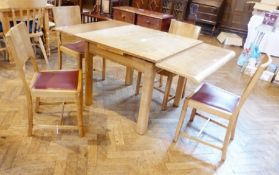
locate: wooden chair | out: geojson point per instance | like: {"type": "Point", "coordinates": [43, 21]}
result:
{"type": "Point", "coordinates": [220, 103]}
{"type": "Point", "coordinates": [46, 84]}
{"type": "Point", "coordinates": [67, 16]}
{"type": "Point", "coordinates": [178, 28]}
{"type": "Point", "coordinates": [31, 12]}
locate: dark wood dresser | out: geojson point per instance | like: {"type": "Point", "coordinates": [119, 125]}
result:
{"type": "Point", "coordinates": [146, 18]}
{"type": "Point", "coordinates": [208, 11]}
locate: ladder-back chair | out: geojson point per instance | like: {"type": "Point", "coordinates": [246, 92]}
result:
{"type": "Point", "coordinates": [220, 103]}
{"type": "Point", "coordinates": [31, 12]}
{"type": "Point", "coordinates": [54, 84]}
{"type": "Point", "coordinates": [177, 28]}
{"type": "Point", "coordinates": [67, 16]}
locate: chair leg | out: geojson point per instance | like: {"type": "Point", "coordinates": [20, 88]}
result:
{"type": "Point", "coordinates": [79, 63]}
{"type": "Point", "coordinates": [181, 120]}
{"type": "Point", "coordinates": [30, 115]}
{"type": "Point", "coordinates": [193, 114]}
{"type": "Point", "coordinates": [160, 81]}
{"type": "Point", "coordinates": [43, 49]}
{"type": "Point", "coordinates": [233, 127]}
{"type": "Point", "coordinates": [59, 59]}
{"type": "Point", "coordinates": [104, 69]}
{"type": "Point", "coordinates": [167, 93]}
{"type": "Point", "coordinates": [79, 99]}
{"type": "Point", "coordinates": [184, 89]}
{"type": "Point", "coordinates": [37, 105]}
{"type": "Point", "coordinates": [227, 140]}
{"type": "Point", "coordinates": [138, 83]}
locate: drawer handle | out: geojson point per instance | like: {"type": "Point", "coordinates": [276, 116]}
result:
{"type": "Point", "coordinates": [148, 22]}
{"type": "Point", "coordinates": [123, 16]}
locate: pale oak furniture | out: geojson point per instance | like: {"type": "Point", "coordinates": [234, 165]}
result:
{"type": "Point", "coordinates": [45, 84]}
{"type": "Point", "coordinates": [220, 103]}
{"type": "Point", "coordinates": [5, 16]}
{"type": "Point", "coordinates": [177, 28]}
{"type": "Point", "coordinates": [137, 47]}
{"type": "Point", "coordinates": [67, 16]}
{"type": "Point", "coordinates": [149, 49]}
{"type": "Point", "coordinates": [31, 13]}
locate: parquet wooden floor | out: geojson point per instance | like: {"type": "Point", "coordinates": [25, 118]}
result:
{"type": "Point", "coordinates": [111, 145]}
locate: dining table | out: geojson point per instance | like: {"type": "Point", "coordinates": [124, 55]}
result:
{"type": "Point", "coordinates": [5, 12]}
{"type": "Point", "coordinates": [146, 50]}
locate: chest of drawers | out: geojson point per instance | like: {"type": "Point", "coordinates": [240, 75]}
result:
{"type": "Point", "coordinates": [208, 11]}
{"type": "Point", "coordinates": [145, 18]}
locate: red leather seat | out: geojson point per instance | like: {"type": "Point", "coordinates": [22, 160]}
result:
{"type": "Point", "coordinates": [77, 46]}
{"type": "Point", "coordinates": [216, 97]}
{"type": "Point", "coordinates": [64, 80]}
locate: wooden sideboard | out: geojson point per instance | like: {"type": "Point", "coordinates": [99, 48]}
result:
{"type": "Point", "coordinates": [208, 12]}
{"type": "Point", "coordinates": [178, 8]}
{"type": "Point", "coordinates": [146, 18]}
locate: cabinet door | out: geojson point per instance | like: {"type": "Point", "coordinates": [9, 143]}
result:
{"type": "Point", "coordinates": [179, 9]}
{"type": "Point", "coordinates": [236, 15]}
{"type": "Point", "coordinates": [167, 6]}
{"type": "Point", "coordinates": [154, 5]}
{"type": "Point", "coordinates": [142, 4]}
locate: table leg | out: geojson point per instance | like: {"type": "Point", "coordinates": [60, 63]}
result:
{"type": "Point", "coordinates": [129, 76]}
{"type": "Point", "coordinates": [46, 32]}
{"type": "Point", "coordinates": [89, 75]}
{"type": "Point", "coordinates": [147, 90]}
{"type": "Point", "coordinates": [179, 90]}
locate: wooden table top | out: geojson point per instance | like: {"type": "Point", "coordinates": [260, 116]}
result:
{"type": "Point", "coordinates": [140, 42]}
{"type": "Point", "coordinates": [198, 62]}
{"type": "Point", "coordinates": [82, 28]}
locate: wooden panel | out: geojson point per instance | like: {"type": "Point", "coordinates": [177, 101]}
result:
{"type": "Point", "coordinates": [204, 60]}
{"type": "Point", "coordinates": [124, 16]}
{"type": "Point", "coordinates": [149, 22]}
{"type": "Point", "coordinates": [236, 15]}
{"type": "Point", "coordinates": [142, 4]}
{"type": "Point", "coordinates": [141, 42]}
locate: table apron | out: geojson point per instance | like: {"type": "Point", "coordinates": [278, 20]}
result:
{"type": "Point", "coordinates": [125, 60]}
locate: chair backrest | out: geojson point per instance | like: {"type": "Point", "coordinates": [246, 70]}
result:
{"type": "Point", "coordinates": [184, 29]}
{"type": "Point", "coordinates": [265, 61]}
{"type": "Point", "coordinates": [29, 11]}
{"type": "Point", "coordinates": [66, 15]}
{"type": "Point", "coordinates": [19, 43]}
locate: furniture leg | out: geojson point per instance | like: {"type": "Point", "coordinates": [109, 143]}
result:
{"type": "Point", "coordinates": [167, 93]}
{"type": "Point", "coordinates": [193, 114]}
{"type": "Point", "coordinates": [129, 76]}
{"type": "Point", "coordinates": [30, 115]}
{"type": "Point", "coordinates": [138, 83]}
{"type": "Point", "coordinates": [104, 69]}
{"type": "Point", "coordinates": [43, 50]}
{"type": "Point", "coordinates": [59, 53]}
{"type": "Point", "coordinates": [46, 32]}
{"type": "Point", "coordinates": [234, 126]}
{"type": "Point", "coordinates": [80, 63]}
{"type": "Point", "coordinates": [160, 81]}
{"type": "Point", "coordinates": [89, 75]}
{"type": "Point", "coordinates": [179, 90]}
{"type": "Point", "coordinates": [80, 113]}
{"type": "Point", "coordinates": [226, 140]}
{"type": "Point", "coordinates": [181, 120]}
{"type": "Point", "coordinates": [37, 104]}
{"type": "Point", "coordinates": [145, 101]}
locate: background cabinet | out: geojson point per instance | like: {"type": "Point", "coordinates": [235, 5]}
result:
{"type": "Point", "coordinates": [236, 16]}
{"type": "Point", "coordinates": [177, 8]}
{"type": "Point", "coordinates": [153, 5]}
